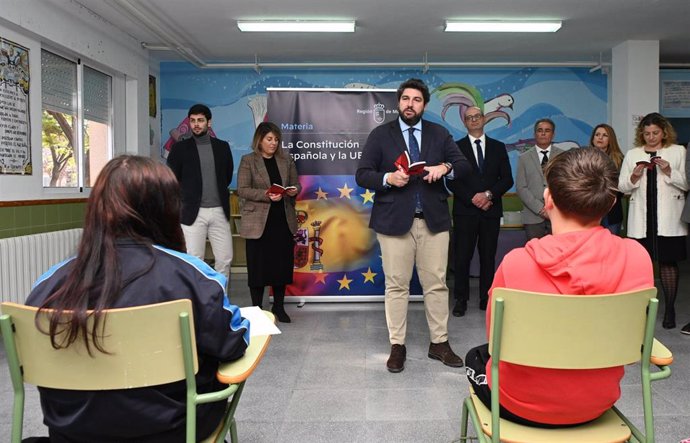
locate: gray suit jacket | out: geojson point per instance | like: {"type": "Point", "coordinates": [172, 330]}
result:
{"type": "Point", "coordinates": [252, 183]}
{"type": "Point", "coordinates": [685, 216]}
{"type": "Point", "coordinates": [530, 184]}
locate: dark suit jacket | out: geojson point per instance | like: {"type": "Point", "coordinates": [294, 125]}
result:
{"type": "Point", "coordinates": [393, 210]}
{"type": "Point", "coordinates": [497, 177]}
{"type": "Point", "coordinates": [252, 183]}
{"type": "Point", "coordinates": [184, 162]}
{"type": "Point", "coordinates": [615, 215]}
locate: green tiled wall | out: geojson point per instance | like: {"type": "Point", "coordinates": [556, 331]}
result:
{"type": "Point", "coordinates": [511, 202]}
{"type": "Point", "coordinates": [24, 220]}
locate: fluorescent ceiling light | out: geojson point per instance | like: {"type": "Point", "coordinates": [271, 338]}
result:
{"type": "Point", "coordinates": [296, 26]}
{"type": "Point", "coordinates": [502, 26]}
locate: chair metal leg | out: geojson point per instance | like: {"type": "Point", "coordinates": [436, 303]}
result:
{"type": "Point", "coordinates": [463, 422]}
{"type": "Point", "coordinates": [463, 425]}
{"type": "Point", "coordinates": [647, 404]}
{"type": "Point", "coordinates": [481, 437]}
{"type": "Point", "coordinates": [7, 329]}
{"type": "Point", "coordinates": [636, 436]}
{"type": "Point", "coordinates": [190, 427]}
{"type": "Point", "coordinates": [18, 416]}
{"type": "Point", "coordinates": [233, 431]}
{"type": "Point", "coordinates": [229, 423]}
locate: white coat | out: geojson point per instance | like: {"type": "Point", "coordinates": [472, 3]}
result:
{"type": "Point", "coordinates": [670, 193]}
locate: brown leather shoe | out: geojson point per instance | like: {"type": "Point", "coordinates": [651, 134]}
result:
{"type": "Point", "coordinates": [396, 362]}
{"type": "Point", "coordinates": [443, 352]}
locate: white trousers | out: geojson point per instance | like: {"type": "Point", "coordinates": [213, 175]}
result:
{"type": "Point", "coordinates": [211, 223]}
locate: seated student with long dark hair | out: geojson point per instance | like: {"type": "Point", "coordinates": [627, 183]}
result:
{"type": "Point", "coordinates": [580, 258]}
{"type": "Point", "coordinates": [130, 254]}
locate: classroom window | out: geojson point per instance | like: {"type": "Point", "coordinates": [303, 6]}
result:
{"type": "Point", "coordinates": [76, 122]}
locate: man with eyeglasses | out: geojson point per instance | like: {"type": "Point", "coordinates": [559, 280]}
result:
{"type": "Point", "coordinates": [477, 208]}
{"type": "Point", "coordinates": [530, 181]}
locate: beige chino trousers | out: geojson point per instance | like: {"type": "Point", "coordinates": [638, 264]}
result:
{"type": "Point", "coordinates": [429, 251]}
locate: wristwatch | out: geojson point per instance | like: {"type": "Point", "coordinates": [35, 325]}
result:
{"type": "Point", "coordinates": [449, 166]}
{"type": "Point", "coordinates": [489, 195]}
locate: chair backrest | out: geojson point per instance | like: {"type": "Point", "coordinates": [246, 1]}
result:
{"type": "Point", "coordinates": [144, 346]}
{"type": "Point", "coordinates": [571, 331]}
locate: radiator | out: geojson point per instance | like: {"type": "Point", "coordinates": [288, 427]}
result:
{"type": "Point", "coordinates": [23, 259]}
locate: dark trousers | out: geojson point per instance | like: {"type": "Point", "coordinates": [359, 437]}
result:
{"type": "Point", "coordinates": [475, 364]}
{"type": "Point", "coordinates": [472, 231]}
{"type": "Point", "coordinates": [538, 230]}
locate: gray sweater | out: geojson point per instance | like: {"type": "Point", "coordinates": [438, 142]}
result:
{"type": "Point", "coordinates": [209, 193]}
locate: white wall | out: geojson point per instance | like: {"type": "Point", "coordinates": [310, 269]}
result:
{"type": "Point", "coordinates": [634, 90]}
{"type": "Point", "coordinates": [66, 26]}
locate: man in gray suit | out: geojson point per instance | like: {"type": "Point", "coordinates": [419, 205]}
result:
{"type": "Point", "coordinates": [530, 182]}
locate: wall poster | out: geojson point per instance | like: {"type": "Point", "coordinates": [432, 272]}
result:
{"type": "Point", "coordinates": [326, 115]}
{"type": "Point", "coordinates": [15, 128]}
{"type": "Point", "coordinates": [675, 94]}
{"type": "Point", "coordinates": [153, 100]}
{"type": "Point", "coordinates": [337, 256]}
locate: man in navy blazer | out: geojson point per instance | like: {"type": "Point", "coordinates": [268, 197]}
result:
{"type": "Point", "coordinates": [477, 208]}
{"type": "Point", "coordinates": [411, 219]}
{"type": "Point", "coordinates": [203, 166]}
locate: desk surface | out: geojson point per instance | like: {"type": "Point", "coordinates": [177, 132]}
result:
{"type": "Point", "coordinates": [661, 355]}
{"type": "Point", "coordinates": [239, 370]}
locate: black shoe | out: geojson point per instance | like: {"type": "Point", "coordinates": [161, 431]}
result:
{"type": "Point", "coordinates": [460, 308]}
{"type": "Point", "coordinates": [443, 352]}
{"type": "Point", "coordinates": [482, 303]}
{"type": "Point", "coordinates": [669, 324]}
{"type": "Point", "coordinates": [280, 314]}
{"type": "Point", "coordinates": [686, 329]}
{"type": "Point", "coordinates": [396, 361]}
{"type": "Point", "coordinates": [669, 321]}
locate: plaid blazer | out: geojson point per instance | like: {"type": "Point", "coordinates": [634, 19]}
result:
{"type": "Point", "coordinates": [252, 183]}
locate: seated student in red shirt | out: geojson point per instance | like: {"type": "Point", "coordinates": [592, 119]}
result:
{"type": "Point", "coordinates": [580, 258]}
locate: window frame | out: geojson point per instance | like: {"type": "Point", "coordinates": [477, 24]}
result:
{"type": "Point", "coordinates": [79, 149]}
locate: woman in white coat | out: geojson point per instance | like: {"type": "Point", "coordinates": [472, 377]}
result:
{"type": "Point", "coordinates": [653, 174]}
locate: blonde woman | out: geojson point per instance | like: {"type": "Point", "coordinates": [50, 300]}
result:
{"type": "Point", "coordinates": [653, 174]}
{"type": "Point", "coordinates": [269, 220]}
{"type": "Point", "coordinates": [604, 138]}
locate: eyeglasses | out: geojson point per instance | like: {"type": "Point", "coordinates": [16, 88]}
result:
{"type": "Point", "coordinates": [473, 118]}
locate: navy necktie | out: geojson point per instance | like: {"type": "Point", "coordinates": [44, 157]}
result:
{"type": "Point", "coordinates": [480, 155]}
{"type": "Point", "coordinates": [414, 156]}
{"type": "Point", "coordinates": [414, 146]}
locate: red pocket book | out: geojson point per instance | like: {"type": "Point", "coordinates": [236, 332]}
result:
{"type": "Point", "coordinates": [648, 164]}
{"type": "Point", "coordinates": [277, 189]}
{"type": "Point", "coordinates": [403, 161]}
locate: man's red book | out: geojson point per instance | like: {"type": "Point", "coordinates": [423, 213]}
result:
{"type": "Point", "coordinates": [403, 161]}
